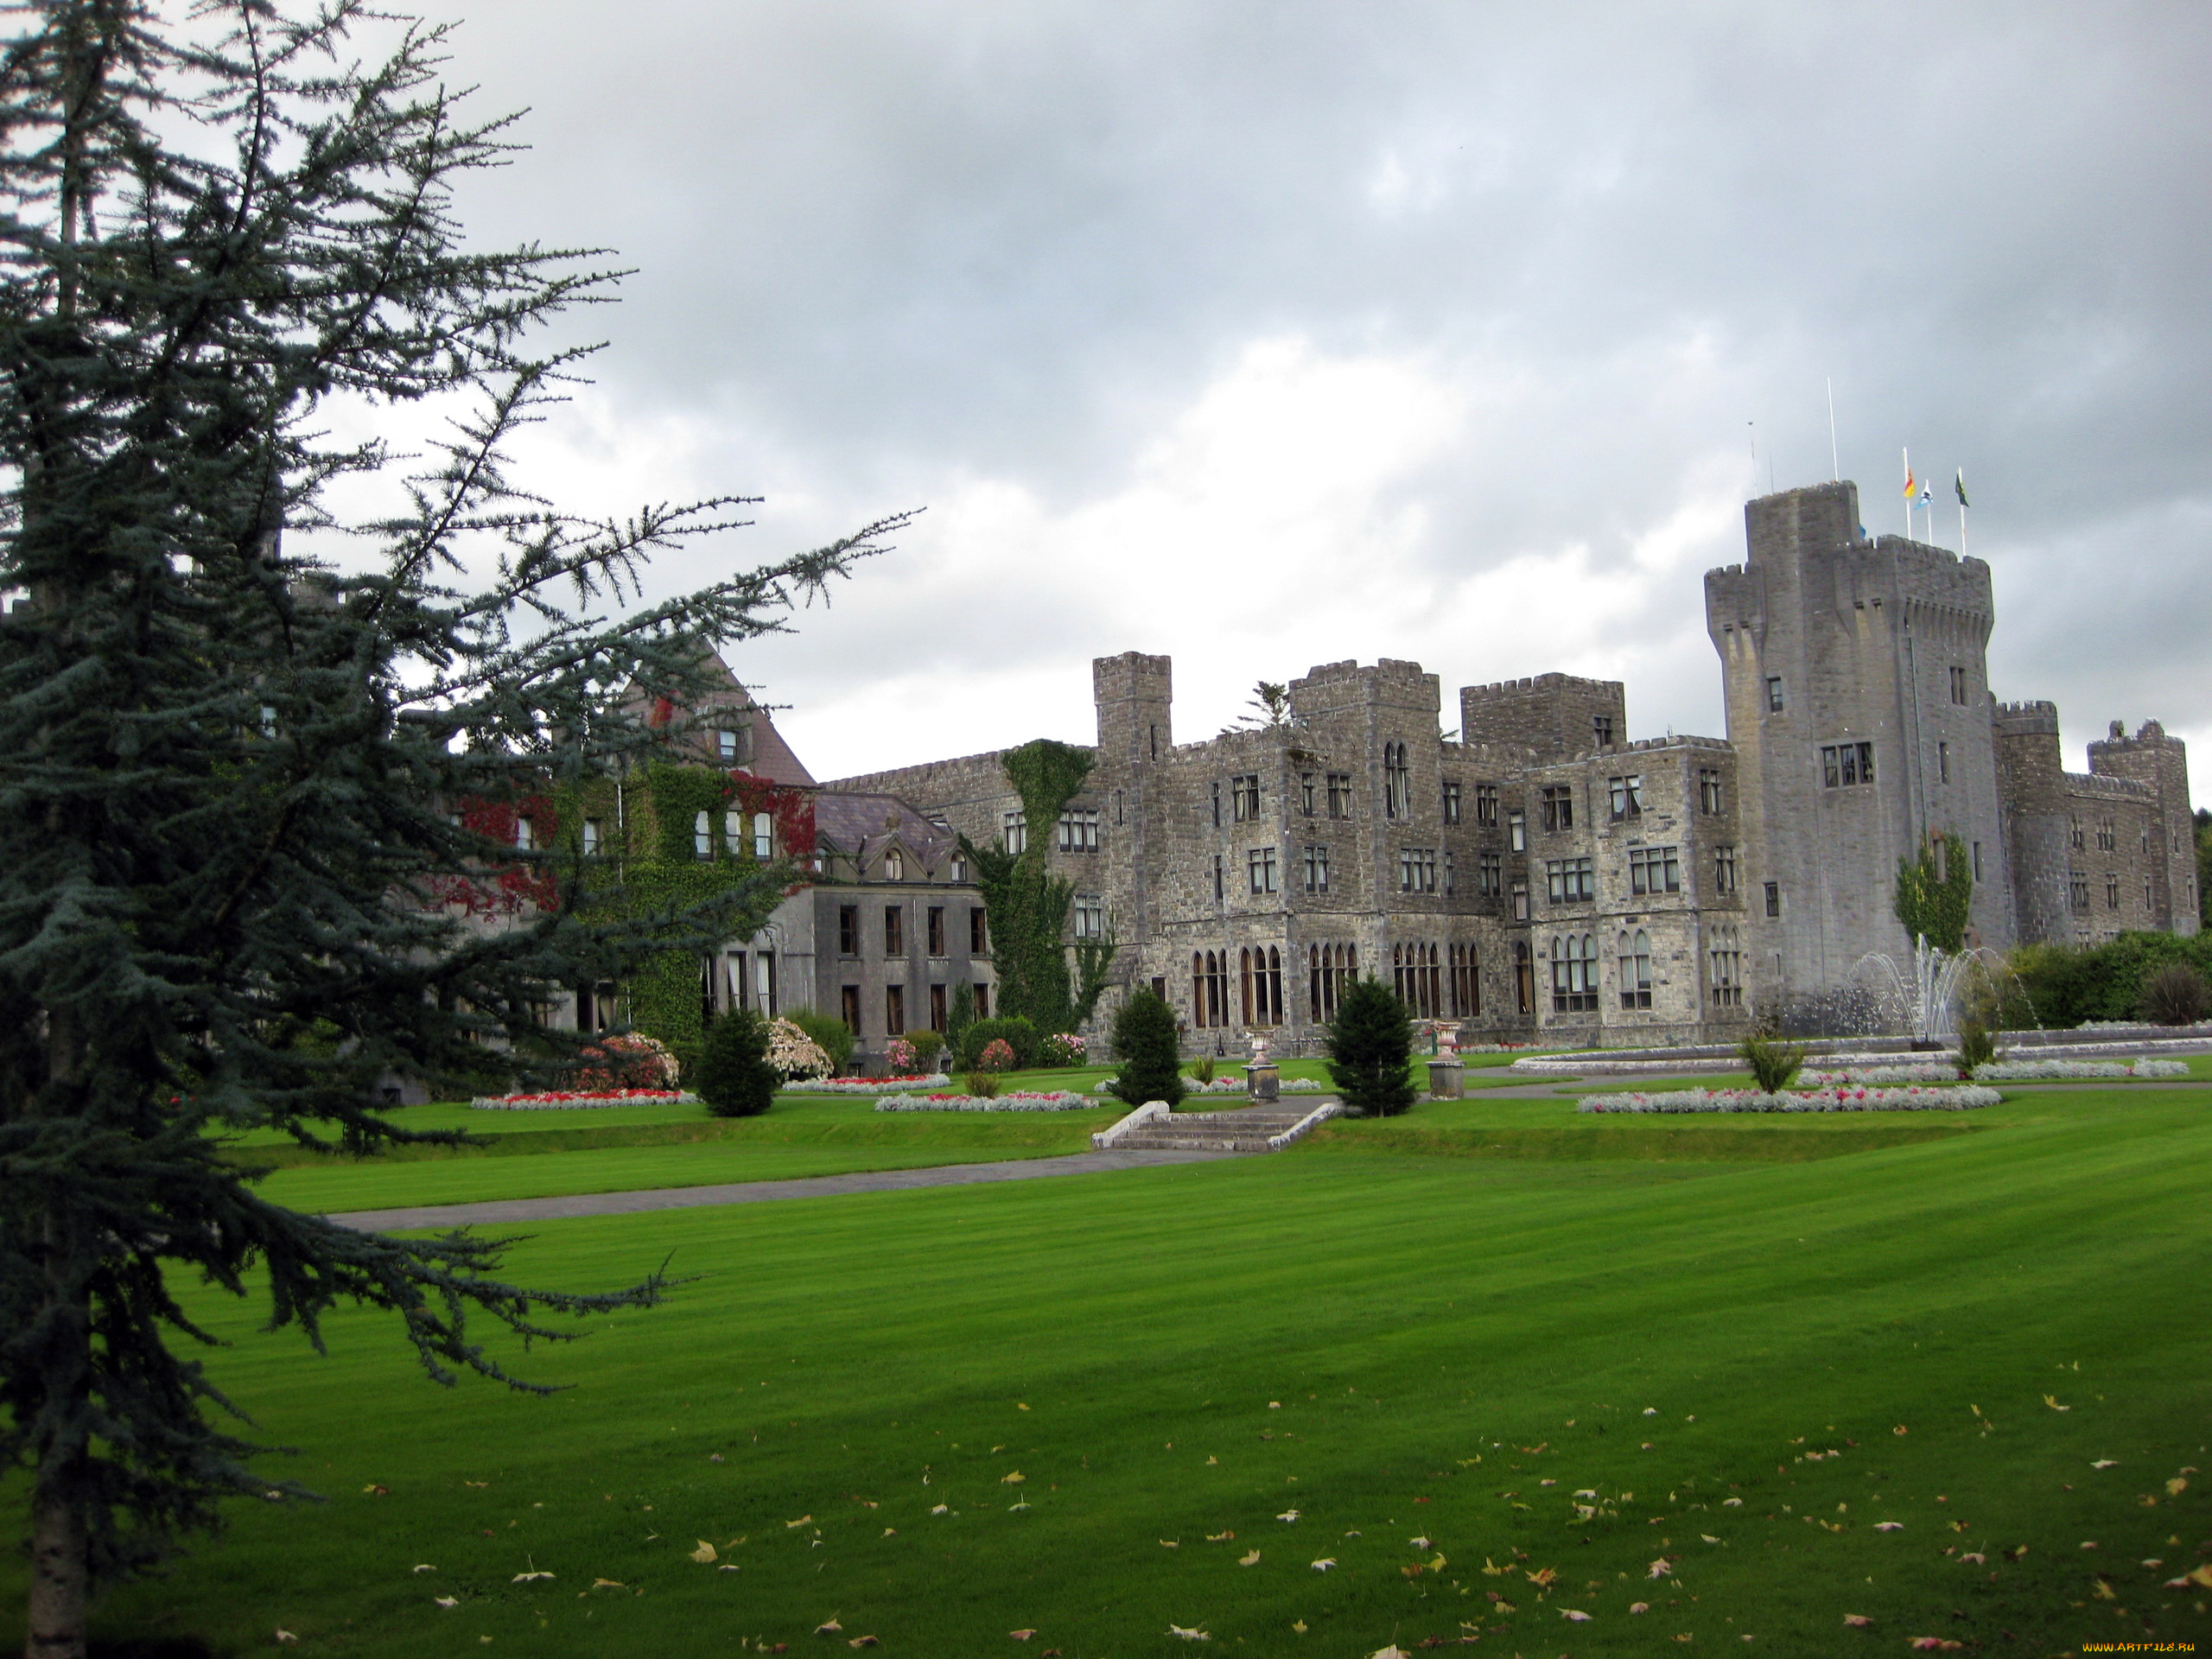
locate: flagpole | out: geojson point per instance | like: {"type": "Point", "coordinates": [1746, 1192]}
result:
{"type": "Point", "coordinates": [1835, 463]}
{"type": "Point", "coordinates": [1960, 485]}
{"type": "Point", "coordinates": [1907, 453]}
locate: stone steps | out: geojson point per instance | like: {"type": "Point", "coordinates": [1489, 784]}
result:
{"type": "Point", "coordinates": [1246, 1129]}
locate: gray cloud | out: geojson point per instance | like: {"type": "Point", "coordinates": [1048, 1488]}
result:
{"type": "Point", "coordinates": [956, 253]}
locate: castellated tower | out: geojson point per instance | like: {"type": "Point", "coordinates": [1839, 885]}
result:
{"type": "Point", "coordinates": [2168, 840]}
{"type": "Point", "coordinates": [1858, 698]}
{"type": "Point", "coordinates": [2031, 773]}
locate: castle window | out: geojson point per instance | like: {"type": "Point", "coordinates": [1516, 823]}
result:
{"type": "Point", "coordinates": [894, 929]}
{"type": "Point", "coordinates": [2112, 891]}
{"type": "Point", "coordinates": [959, 867]}
{"type": "Point", "coordinates": [848, 1004]}
{"type": "Point", "coordinates": [764, 837]}
{"type": "Point", "coordinates": [1090, 916]}
{"type": "Point", "coordinates": [1724, 869]}
{"type": "Point", "coordinates": [849, 930]}
{"type": "Point", "coordinates": [1708, 789]}
{"type": "Point", "coordinates": [1727, 953]}
{"type": "Point", "coordinates": [1155, 742]}
{"type": "Point", "coordinates": [1466, 983]}
{"type": "Point", "coordinates": [1305, 793]}
{"type": "Point", "coordinates": [1217, 803]}
{"type": "Point", "coordinates": [525, 834]}
{"type": "Point", "coordinates": [1014, 831]}
{"type": "Point", "coordinates": [1418, 972]}
{"type": "Point", "coordinates": [982, 1000]}
{"type": "Point", "coordinates": [1448, 885]}
{"type": "Point", "coordinates": [1209, 988]}
{"type": "Point", "coordinates": [1452, 813]}
{"type": "Point", "coordinates": [1397, 782]}
{"type": "Point", "coordinates": [1977, 861]}
{"type": "Point", "coordinates": [979, 935]}
{"type": "Point", "coordinates": [2077, 889]}
{"type": "Point", "coordinates": [1245, 790]}
{"type": "Point", "coordinates": [1219, 893]}
{"type": "Point", "coordinates": [1774, 897]}
{"type": "Point", "coordinates": [2146, 893]}
{"type": "Point", "coordinates": [592, 836]}
{"type": "Point", "coordinates": [1636, 969]}
{"type": "Point", "coordinates": [702, 835]}
{"type": "Point", "coordinates": [1117, 806]}
{"type": "Point", "coordinates": [1601, 729]}
{"type": "Point", "coordinates": [1490, 875]}
{"type": "Point", "coordinates": [1574, 974]}
{"type": "Point", "coordinates": [1259, 866]}
{"type": "Point", "coordinates": [1943, 762]}
{"type": "Point", "coordinates": [1958, 685]}
{"type": "Point", "coordinates": [2108, 837]}
{"type": "Point", "coordinates": [1774, 693]}
{"type": "Point", "coordinates": [1486, 803]}
{"type": "Point", "coordinates": [894, 1010]}
{"type": "Point", "coordinates": [1079, 830]}
{"type": "Point", "coordinates": [894, 865]}
{"type": "Point", "coordinates": [1653, 869]}
{"type": "Point", "coordinates": [1520, 904]}
{"type": "Point", "coordinates": [1517, 831]}
{"type": "Point", "coordinates": [1570, 880]}
{"type": "Point", "coordinates": [1627, 797]}
{"type": "Point", "coordinates": [934, 932]}
{"type": "Point", "coordinates": [1259, 971]}
{"type": "Point", "coordinates": [1559, 806]}
{"type": "Point", "coordinates": [1331, 970]}
{"type": "Point", "coordinates": [1317, 869]}
{"type": "Point", "coordinates": [2076, 836]}
{"type": "Point", "coordinates": [1417, 869]}
{"type": "Point", "coordinates": [1844, 765]}
{"type": "Point", "coordinates": [1340, 794]}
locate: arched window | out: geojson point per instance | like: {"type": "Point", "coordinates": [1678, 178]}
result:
{"type": "Point", "coordinates": [894, 865]}
{"type": "Point", "coordinates": [1273, 984]}
{"type": "Point", "coordinates": [1245, 984]}
{"type": "Point", "coordinates": [1198, 988]}
{"type": "Point", "coordinates": [1635, 964]}
{"type": "Point", "coordinates": [702, 835]}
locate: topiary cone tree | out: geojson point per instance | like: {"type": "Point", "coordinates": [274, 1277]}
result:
{"type": "Point", "coordinates": [733, 1078]}
{"type": "Point", "coordinates": [1370, 1047]}
{"type": "Point", "coordinates": [1152, 1063]}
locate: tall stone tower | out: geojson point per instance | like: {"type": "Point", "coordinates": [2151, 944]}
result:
{"type": "Point", "coordinates": [1134, 696]}
{"type": "Point", "coordinates": [2032, 777]}
{"type": "Point", "coordinates": [2170, 851]}
{"type": "Point", "coordinates": [1858, 696]}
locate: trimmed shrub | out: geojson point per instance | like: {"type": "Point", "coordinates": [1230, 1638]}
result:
{"type": "Point", "coordinates": [830, 1034]}
{"type": "Point", "coordinates": [997, 1055]}
{"type": "Point", "coordinates": [2173, 995]}
{"type": "Point", "coordinates": [984, 1085]}
{"type": "Point", "coordinates": [1144, 1038]}
{"type": "Point", "coordinates": [733, 1078]}
{"type": "Point", "coordinates": [632, 1060]}
{"type": "Point", "coordinates": [1977, 1047]}
{"type": "Point", "coordinates": [927, 1045]}
{"type": "Point", "coordinates": [1015, 1032]}
{"type": "Point", "coordinates": [1773, 1063]}
{"type": "Point", "coordinates": [794, 1054]}
{"type": "Point", "coordinates": [2070, 985]}
{"type": "Point", "coordinates": [1062, 1048]}
{"type": "Point", "coordinates": [1370, 1048]}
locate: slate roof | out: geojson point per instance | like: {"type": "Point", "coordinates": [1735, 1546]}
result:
{"type": "Point", "coordinates": [863, 826]}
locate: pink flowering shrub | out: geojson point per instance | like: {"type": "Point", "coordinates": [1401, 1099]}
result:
{"type": "Point", "coordinates": [997, 1055]}
{"type": "Point", "coordinates": [1063, 1048]}
{"type": "Point", "coordinates": [898, 1054]}
{"type": "Point", "coordinates": [633, 1060]}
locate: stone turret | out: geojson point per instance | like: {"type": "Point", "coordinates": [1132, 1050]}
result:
{"type": "Point", "coordinates": [1555, 714]}
{"type": "Point", "coordinates": [2031, 781]}
{"type": "Point", "coordinates": [2161, 762]}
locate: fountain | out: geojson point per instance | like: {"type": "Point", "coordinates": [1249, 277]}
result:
{"type": "Point", "coordinates": [1929, 999]}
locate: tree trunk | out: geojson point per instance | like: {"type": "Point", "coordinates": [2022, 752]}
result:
{"type": "Point", "coordinates": [56, 1611]}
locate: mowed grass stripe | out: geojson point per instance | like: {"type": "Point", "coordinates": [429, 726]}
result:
{"type": "Point", "coordinates": [1469, 1303]}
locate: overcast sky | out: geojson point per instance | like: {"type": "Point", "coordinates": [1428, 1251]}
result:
{"type": "Point", "coordinates": [1272, 335]}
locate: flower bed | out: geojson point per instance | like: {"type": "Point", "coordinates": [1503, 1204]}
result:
{"type": "Point", "coordinates": [569, 1100]}
{"type": "Point", "coordinates": [1958, 1099]}
{"type": "Point", "coordinates": [1059, 1101]}
{"type": "Point", "coordinates": [862, 1085]}
{"type": "Point", "coordinates": [1995, 1072]}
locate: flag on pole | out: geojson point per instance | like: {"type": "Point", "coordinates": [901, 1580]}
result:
{"type": "Point", "coordinates": [1927, 496]}
{"type": "Point", "coordinates": [1959, 484]}
{"type": "Point", "coordinates": [1911, 484]}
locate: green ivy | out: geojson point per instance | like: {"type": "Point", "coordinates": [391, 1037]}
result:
{"type": "Point", "coordinates": [1936, 907]}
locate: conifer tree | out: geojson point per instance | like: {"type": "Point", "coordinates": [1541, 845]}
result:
{"type": "Point", "coordinates": [1370, 1047]}
{"type": "Point", "coordinates": [1145, 1043]}
{"type": "Point", "coordinates": [733, 1078]}
{"type": "Point", "coordinates": [240, 785]}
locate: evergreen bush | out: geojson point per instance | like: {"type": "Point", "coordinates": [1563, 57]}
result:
{"type": "Point", "coordinates": [1772, 1062]}
{"type": "Point", "coordinates": [733, 1078]}
{"type": "Point", "coordinates": [830, 1034]}
{"type": "Point", "coordinates": [1151, 1062]}
{"type": "Point", "coordinates": [1977, 1047]}
{"type": "Point", "coordinates": [1370, 1049]}
{"type": "Point", "coordinates": [959, 1014]}
{"type": "Point", "coordinates": [927, 1045]}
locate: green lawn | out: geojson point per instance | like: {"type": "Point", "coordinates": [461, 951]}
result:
{"type": "Point", "coordinates": [1425, 1358]}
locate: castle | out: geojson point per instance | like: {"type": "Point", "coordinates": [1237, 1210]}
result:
{"type": "Point", "coordinates": [1543, 875]}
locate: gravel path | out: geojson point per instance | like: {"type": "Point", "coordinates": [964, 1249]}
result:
{"type": "Point", "coordinates": [503, 1212]}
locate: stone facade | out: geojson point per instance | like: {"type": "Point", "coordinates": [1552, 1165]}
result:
{"type": "Point", "coordinates": [1542, 875]}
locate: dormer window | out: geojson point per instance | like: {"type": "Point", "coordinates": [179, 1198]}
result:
{"type": "Point", "coordinates": [894, 865]}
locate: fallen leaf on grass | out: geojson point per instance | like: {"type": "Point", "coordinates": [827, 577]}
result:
{"type": "Point", "coordinates": [1574, 1615]}
{"type": "Point", "coordinates": [828, 1626]}
{"type": "Point", "coordinates": [528, 1578]}
{"type": "Point", "coordinates": [1287, 1514]}
{"type": "Point", "coordinates": [941, 1508]}
{"type": "Point", "coordinates": [374, 1490]}
{"type": "Point", "coordinates": [1935, 1644]}
{"type": "Point", "coordinates": [1013, 1479]}
{"type": "Point", "coordinates": [1542, 1575]}
{"type": "Point", "coordinates": [1213, 1459]}
{"type": "Point", "coordinates": [1661, 1569]}
{"type": "Point", "coordinates": [1013, 1508]}
{"type": "Point", "coordinates": [2051, 1400]}
{"type": "Point", "coordinates": [447, 1601]}
{"type": "Point", "coordinates": [1975, 1557]}
{"type": "Point", "coordinates": [705, 1553]}
{"type": "Point", "coordinates": [1219, 1537]}
{"type": "Point", "coordinates": [2176, 1487]}
{"type": "Point", "coordinates": [424, 1566]}
{"type": "Point", "coordinates": [1252, 1558]}
{"type": "Point", "coordinates": [1708, 1538]}
{"type": "Point", "coordinates": [1188, 1636]}
{"type": "Point", "coordinates": [1732, 1502]}
{"type": "Point", "coordinates": [1684, 1636]}
{"type": "Point", "coordinates": [1421, 1543]}
{"type": "Point", "coordinates": [1857, 1621]}
{"type": "Point", "coordinates": [1021, 1635]}
{"type": "Point", "coordinates": [1298, 1624]}
{"type": "Point", "coordinates": [1393, 1651]}
{"type": "Point", "coordinates": [286, 1635]}
{"type": "Point", "coordinates": [801, 1521]}
{"type": "Point", "coordinates": [1639, 1606]}
{"type": "Point", "coordinates": [607, 1584]}
{"type": "Point", "coordinates": [1324, 1563]}
{"type": "Point", "coordinates": [2106, 1463]}
{"type": "Point", "coordinates": [863, 1642]}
